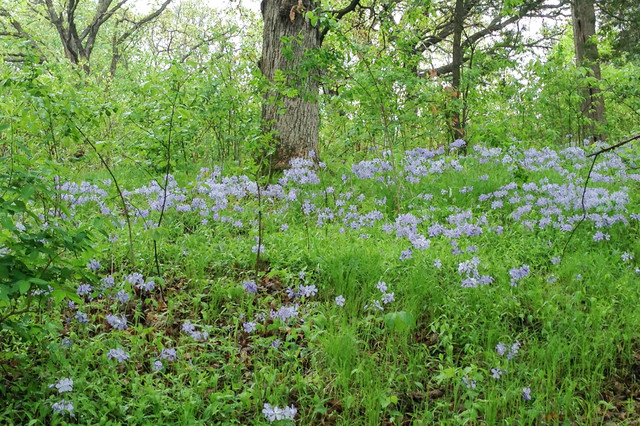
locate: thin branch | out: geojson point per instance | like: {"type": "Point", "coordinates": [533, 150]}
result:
{"type": "Point", "coordinates": [584, 189]}
{"type": "Point", "coordinates": [612, 147]}
{"type": "Point", "coordinates": [338, 14]}
{"type": "Point", "coordinates": [100, 17]}
{"type": "Point", "coordinates": [584, 209]}
{"type": "Point", "coordinates": [166, 179]}
{"type": "Point", "coordinates": [124, 202]}
{"type": "Point", "coordinates": [143, 21]}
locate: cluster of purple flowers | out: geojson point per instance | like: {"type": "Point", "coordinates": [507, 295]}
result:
{"type": "Point", "coordinates": [190, 328]}
{"type": "Point", "coordinates": [169, 354]}
{"type": "Point", "coordinates": [122, 296]}
{"type": "Point", "coordinates": [62, 406]}
{"type": "Point", "coordinates": [84, 289]}
{"type": "Point", "coordinates": [285, 312]}
{"type": "Point", "coordinates": [118, 354]}
{"type": "Point", "coordinates": [81, 317]}
{"type": "Point", "coordinates": [250, 286]}
{"type": "Point", "coordinates": [513, 351]}
{"type": "Point", "coordinates": [107, 282]}
{"type": "Point", "coordinates": [518, 274]}
{"type": "Point", "coordinates": [472, 278]}
{"type": "Point", "coordinates": [137, 280]}
{"type": "Point", "coordinates": [386, 298]}
{"type": "Point", "coordinates": [469, 383]}
{"type": "Point", "coordinates": [303, 291]}
{"type": "Point", "coordinates": [301, 172]}
{"type": "Point", "coordinates": [63, 385]}
{"type": "Point", "coordinates": [117, 322]}
{"type": "Point", "coordinates": [93, 265]}
{"type": "Point", "coordinates": [276, 413]}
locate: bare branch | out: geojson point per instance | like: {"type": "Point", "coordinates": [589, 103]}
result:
{"type": "Point", "coordinates": [339, 14]}
{"type": "Point", "coordinates": [101, 16]}
{"type": "Point", "coordinates": [144, 21]}
{"type": "Point", "coordinates": [612, 147]}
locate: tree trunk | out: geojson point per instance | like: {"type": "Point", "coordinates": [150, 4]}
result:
{"type": "Point", "coordinates": [584, 29]}
{"type": "Point", "coordinates": [290, 109]}
{"type": "Point", "coordinates": [458, 27]}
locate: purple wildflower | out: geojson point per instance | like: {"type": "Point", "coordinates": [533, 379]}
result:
{"type": "Point", "coordinates": [470, 384]}
{"type": "Point", "coordinates": [62, 406]}
{"type": "Point", "coordinates": [84, 289]}
{"type": "Point", "coordinates": [250, 286]}
{"type": "Point", "coordinates": [514, 350]}
{"type": "Point", "coordinates": [107, 282]}
{"type": "Point", "coordinates": [169, 354]}
{"type": "Point", "coordinates": [519, 273]}
{"type": "Point", "coordinates": [406, 254]}
{"type": "Point", "coordinates": [285, 312]}
{"type": "Point", "coordinates": [63, 385]}
{"type": "Point", "coordinates": [496, 373]}
{"type": "Point", "coordinates": [82, 317]}
{"type": "Point", "coordinates": [118, 354]}
{"type": "Point", "coordinates": [122, 296]}
{"type": "Point", "coordinates": [135, 279]}
{"type": "Point", "coordinates": [117, 322]}
{"type": "Point", "coordinates": [340, 300]}
{"type": "Point", "coordinates": [148, 286]}
{"type": "Point", "coordinates": [93, 265]}
{"type": "Point", "coordinates": [308, 290]}
{"type": "Point", "coordinates": [458, 143]}
{"type": "Point", "coordinates": [276, 413]}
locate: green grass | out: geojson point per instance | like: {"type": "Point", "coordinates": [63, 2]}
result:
{"type": "Point", "coordinates": [344, 364]}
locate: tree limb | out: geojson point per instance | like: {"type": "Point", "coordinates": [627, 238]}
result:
{"type": "Point", "coordinates": [496, 24]}
{"type": "Point", "coordinates": [338, 14]}
{"type": "Point", "coordinates": [612, 147]}
{"type": "Point", "coordinates": [21, 34]}
{"type": "Point", "coordinates": [143, 21]}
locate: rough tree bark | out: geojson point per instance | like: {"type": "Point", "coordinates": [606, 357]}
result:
{"type": "Point", "coordinates": [456, 72]}
{"type": "Point", "coordinates": [586, 47]}
{"type": "Point", "coordinates": [290, 115]}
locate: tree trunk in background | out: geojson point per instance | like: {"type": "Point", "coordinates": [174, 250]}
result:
{"type": "Point", "coordinates": [458, 28]}
{"type": "Point", "coordinates": [291, 112]}
{"type": "Point", "coordinates": [584, 29]}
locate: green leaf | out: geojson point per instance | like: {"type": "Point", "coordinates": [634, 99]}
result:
{"type": "Point", "coordinates": [399, 321]}
{"type": "Point", "coordinates": [4, 296]}
{"type": "Point", "coordinates": [38, 281]}
{"type": "Point", "coordinates": [22, 285]}
{"type": "Point", "coordinates": [27, 192]}
{"type": "Point", "coordinates": [7, 223]}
